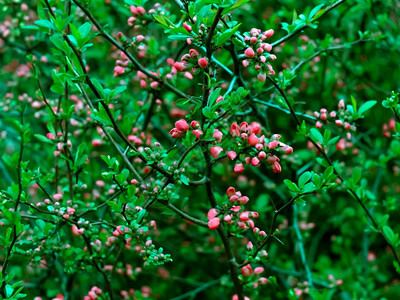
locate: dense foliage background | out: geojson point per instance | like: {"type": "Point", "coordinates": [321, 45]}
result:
{"type": "Point", "coordinates": [105, 191]}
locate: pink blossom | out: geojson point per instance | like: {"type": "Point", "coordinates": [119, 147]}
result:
{"type": "Point", "coordinates": [203, 62]}
{"type": "Point", "coordinates": [231, 155]}
{"type": "Point", "coordinates": [253, 140]}
{"type": "Point", "coordinates": [187, 27]}
{"type": "Point", "coordinates": [249, 52]}
{"type": "Point", "coordinates": [276, 168]}
{"type": "Point", "coordinates": [269, 33]}
{"type": "Point", "coordinates": [243, 200]}
{"type": "Point", "coordinates": [230, 191]}
{"type": "Point", "coordinates": [213, 223]}
{"type": "Point", "coordinates": [182, 125]}
{"type": "Point", "coordinates": [217, 135]}
{"type": "Point", "coordinates": [234, 131]}
{"type": "Point", "coordinates": [175, 133]}
{"type": "Point", "coordinates": [215, 151]}
{"type": "Point", "coordinates": [246, 270]}
{"type": "Point", "coordinates": [239, 168]}
{"type": "Point", "coordinates": [197, 133]}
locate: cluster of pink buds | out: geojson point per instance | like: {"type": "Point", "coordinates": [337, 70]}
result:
{"type": "Point", "coordinates": [389, 128]}
{"type": "Point", "coordinates": [232, 212]}
{"type": "Point", "coordinates": [145, 81]}
{"type": "Point", "coordinates": [93, 294]}
{"type": "Point", "coordinates": [126, 295]}
{"type": "Point", "coordinates": [59, 139]}
{"type": "Point", "coordinates": [253, 276]}
{"type": "Point", "coordinates": [342, 118]}
{"type": "Point", "coordinates": [139, 17]}
{"type": "Point", "coordinates": [262, 149]}
{"type": "Point", "coordinates": [121, 64]}
{"type": "Point", "coordinates": [343, 144]}
{"type": "Point", "coordinates": [258, 52]}
{"type": "Point", "coordinates": [120, 230]}
{"type": "Point", "coordinates": [181, 127]}
{"type": "Point", "coordinates": [190, 63]}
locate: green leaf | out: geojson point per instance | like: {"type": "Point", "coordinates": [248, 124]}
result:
{"type": "Point", "coordinates": [304, 178]}
{"type": "Point", "coordinates": [366, 106]}
{"type": "Point", "coordinates": [388, 234]}
{"type": "Point", "coordinates": [316, 135]}
{"type": "Point", "coordinates": [84, 29]}
{"type": "Point", "coordinates": [314, 11]}
{"type": "Point", "coordinates": [45, 24]}
{"type": "Point", "coordinates": [9, 291]}
{"type": "Point", "coordinates": [43, 139]}
{"type": "Point", "coordinates": [356, 176]}
{"type": "Point", "coordinates": [291, 185]}
{"type": "Point", "coordinates": [234, 6]}
{"type": "Point", "coordinates": [184, 179]}
{"type": "Point", "coordinates": [226, 35]}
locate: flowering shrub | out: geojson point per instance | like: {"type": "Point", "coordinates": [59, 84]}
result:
{"type": "Point", "coordinates": [128, 128]}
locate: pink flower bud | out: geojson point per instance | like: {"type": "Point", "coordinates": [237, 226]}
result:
{"type": "Point", "coordinates": [212, 213]}
{"type": "Point", "coordinates": [262, 280]}
{"type": "Point", "coordinates": [118, 70]}
{"type": "Point", "coordinates": [246, 271]}
{"type": "Point", "coordinates": [182, 125]}
{"type": "Point", "coordinates": [213, 223]}
{"type": "Point", "coordinates": [217, 135]}
{"type": "Point", "coordinates": [193, 53]}
{"type": "Point", "coordinates": [239, 168]}
{"type": "Point", "coordinates": [249, 53]}
{"type": "Point", "coordinates": [197, 133]}
{"type": "Point", "coordinates": [154, 85]}
{"type": "Point", "coordinates": [341, 104]}
{"type": "Point", "coordinates": [244, 216]}
{"type": "Point", "coordinates": [133, 10]}
{"type": "Point", "coordinates": [179, 66]}
{"type": "Point", "coordinates": [269, 33]}
{"type": "Point", "coordinates": [245, 63]}
{"type": "Point", "coordinates": [255, 161]}
{"type": "Point", "coordinates": [272, 145]}
{"type": "Point", "coordinates": [187, 27]}
{"type": "Point", "coordinates": [253, 140]}
{"type": "Point", "coordinates": [262, 155]}
{"type": "Point", "coordinates": [341, 145]}
{"type": "Point", "coordinates": [50, 136]}
{"type": "Point", "coordinates": [230, 191]}
{"type": "Point", "coordinates": [234, 131]}
{"type": "Point", "coordinates": [261, 77]}
{"type": "Point", "coordinates": [231, 155]}
{"type": "Point", "coordinates": [249, 246]}
{"type": "Point", "coordinates": [215, 151]}
{"type": "Point", "coordinates": [194, 124]}
{"type": "Point", "coordinates": [258, 270]}
{"type": "Point", "coordinates": [339, 122]}
{"type": "Point", "coordinates": [140, 38]}
{"type": "Point", "coordinates": [228, 218]}
{"type": "Point", "coordinates": [243, 200]}
{"type": "Point", "coordinates": [267, 47]}
{"type": "Point", "coordinates": [276, 168]}
{"type": "Point", "coordinates": [203, 62]}
{"type": "Point", "coordinates": [288, 150]}
{"type": "Point", "coordinates": [176, 133]}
